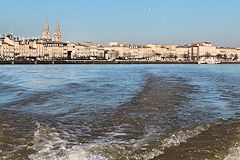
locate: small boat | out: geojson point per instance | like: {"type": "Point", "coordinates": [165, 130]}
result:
{"type": "Point", "coordinates": [202, 62]}
{"type": "Point", "coordinates": [210, 60]}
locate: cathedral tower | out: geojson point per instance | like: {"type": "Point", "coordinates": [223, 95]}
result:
{"type": "Point", "coordinates": [57, 34]}
{"type": "Point", "coordinates": [46, 33]}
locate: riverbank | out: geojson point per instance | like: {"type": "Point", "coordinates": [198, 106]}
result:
{"type": "Point", "coordinates": [95, 62]}
{"type": "Point", "coordinates": [102, 62]}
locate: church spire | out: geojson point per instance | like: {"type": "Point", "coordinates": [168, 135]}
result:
{"type": "Point", "coordinates": [46, 33]}
{"type": "Point", "coordinates": [57, 34]}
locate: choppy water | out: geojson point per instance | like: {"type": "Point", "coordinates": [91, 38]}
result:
{"type": "Point", "coordinates": [120, 112]}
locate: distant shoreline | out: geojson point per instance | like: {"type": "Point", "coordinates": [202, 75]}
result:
{"type": "Point", "coordinates": [99, 62]}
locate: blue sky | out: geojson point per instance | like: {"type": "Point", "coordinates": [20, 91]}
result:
{"type": "Point", "coordinates": [127, 21]}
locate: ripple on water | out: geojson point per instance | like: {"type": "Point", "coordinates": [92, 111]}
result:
{"type": "Point", "coordinates": [171, 113]}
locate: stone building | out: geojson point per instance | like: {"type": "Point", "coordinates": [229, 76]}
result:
{"type": "Point", "coordinates": [56, 50]}
{"type": "Point", "coordinates": [46, 35]}
{"type": "Point", "coordinates": [227, 52]}
{"type": "Point", "coordinates": [57, 34]}
{"type": "Point", "coordinates": [183, 52]}
{"type": "Point", "coordinates": [202, 49]}
{"type": "Point", "coordinates": [47, 48]}
{"type": "Point", "coordinates": [52, 49]}
{"type": "Point", "coordinates": [8, 49]}
{"type": "Point", "coordinates": [130, 50]}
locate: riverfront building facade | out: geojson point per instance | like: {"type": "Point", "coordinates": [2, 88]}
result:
{"type": "Point", "coordinates": [46, 48]}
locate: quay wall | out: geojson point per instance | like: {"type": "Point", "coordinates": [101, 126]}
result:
{"type": "Point", "coordinates": [101, 62]}
{"type": "Point", "coordinates": [93, 62]}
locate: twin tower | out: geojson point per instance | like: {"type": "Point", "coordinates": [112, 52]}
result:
{"type": "Point", "coordinates": [46, 35]}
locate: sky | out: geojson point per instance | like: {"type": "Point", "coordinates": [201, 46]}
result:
{"type": "Point", "coordinates": [127, 21]}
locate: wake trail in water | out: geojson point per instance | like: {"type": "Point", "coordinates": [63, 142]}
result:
{"type": "Point", "coordinates": [155, 124]}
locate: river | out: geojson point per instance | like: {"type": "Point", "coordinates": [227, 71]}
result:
{"type": "Point", "coordinates": [120, 112]}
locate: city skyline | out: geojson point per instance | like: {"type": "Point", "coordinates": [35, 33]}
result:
{"type": "Point", "coordinates": [136, 22]}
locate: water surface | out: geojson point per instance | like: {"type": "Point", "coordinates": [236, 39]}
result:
{"type": "Point", "coordinates": [120, 112]}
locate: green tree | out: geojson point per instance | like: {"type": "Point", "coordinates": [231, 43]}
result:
{"type": "Point", "coordinates": [236, 57]}
{"type": "Point", "coordinates": [225, 56]}
{"type": "Point", "coordinates": [219, 56]}
{"type": "Point", "coordinates": [207, 54]}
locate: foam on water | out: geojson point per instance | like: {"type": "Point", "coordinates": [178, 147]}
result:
{"type": "Point", "coordinates": [174, 140]}
{"type": "Point", "coordinates": [234, 154]}
{"type": "Point", "coordinates": [49, 145]}
{"type": "Point", "coordinates": [181, 137]}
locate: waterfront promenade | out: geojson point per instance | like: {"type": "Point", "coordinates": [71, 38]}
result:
{"type": "Point", "coordinates": [95, 62]}
{"type": "Point", "coordinates": [25, 62]}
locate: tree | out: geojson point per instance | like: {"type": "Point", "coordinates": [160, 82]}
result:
{"type": "Point", "coordinates": [169, 55]}
{"type": "Point", "coordinates": [175, 57]}
{"type": "Point", "coordinates": [219, 56]}
{"type": "Point", "coordinates": [207, 54]}
{"type": "Point", "coordinates": [225, 56]}
{"type": "Point", "coordinates": [236, 57]}
{"type": "Point", "coordinates": [185, 55]}
{"type": "Point", "coordinates": [232, 56]}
